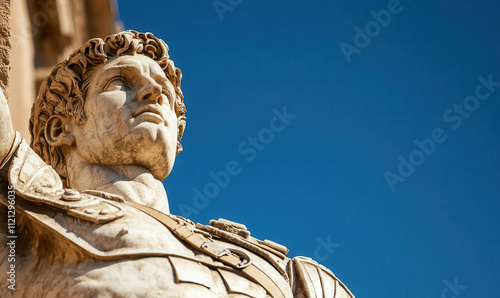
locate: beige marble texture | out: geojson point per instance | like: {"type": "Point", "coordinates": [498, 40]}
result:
{"type": "Point", "coordinates": [92, 213]}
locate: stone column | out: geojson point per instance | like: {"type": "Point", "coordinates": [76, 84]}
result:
{"type": "Point", "coordinates": [22, 74]}
{"type": "Point", "coordinates": [4, 44]}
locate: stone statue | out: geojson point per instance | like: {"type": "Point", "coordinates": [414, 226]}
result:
{"type": "Point", "coordinates": [84, 211]}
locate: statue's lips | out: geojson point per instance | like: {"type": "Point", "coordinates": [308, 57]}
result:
{"type": "Point", "coordinates": [151, 113]}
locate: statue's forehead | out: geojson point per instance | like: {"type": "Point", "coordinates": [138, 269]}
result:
{"type": "Point", "coordinates": [136, 62]}
{"type": "Point", "coordinates": [132, 68]}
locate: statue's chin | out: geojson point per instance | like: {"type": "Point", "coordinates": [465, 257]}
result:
{"type": "Point", "coordinates": [160, 164]}
{"type": "Point", "coordinates": [161, 174]}
{"type": "Point", "coordinates": [162, 169]}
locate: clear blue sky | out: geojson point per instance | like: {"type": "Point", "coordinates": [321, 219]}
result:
{"type": "Point", "coordinates": [323, 175]}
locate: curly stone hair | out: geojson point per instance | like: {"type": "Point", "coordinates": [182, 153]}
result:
{"type": "Point", "coordinates": [64, 91]}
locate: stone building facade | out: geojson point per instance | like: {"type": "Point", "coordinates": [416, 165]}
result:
{"type": "Point", "coordinates": [43, 33]}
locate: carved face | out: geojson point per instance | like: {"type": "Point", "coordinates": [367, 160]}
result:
{"type": "Point", "coordinates": [130, 117]}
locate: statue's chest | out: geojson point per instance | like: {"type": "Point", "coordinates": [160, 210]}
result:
{"type": "Point", "coordinates": [139, 258]}
{"type": "Point", "coordinates": [148, 277]}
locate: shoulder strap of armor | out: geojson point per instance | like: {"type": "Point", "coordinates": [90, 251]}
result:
{"type": "Point", "coordinates": [235, 258]}
{"type": "Point", "coordinates": [238, 234]}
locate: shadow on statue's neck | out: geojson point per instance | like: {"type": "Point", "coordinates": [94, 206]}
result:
{"type": "Point", "coordinates": [134, 183]}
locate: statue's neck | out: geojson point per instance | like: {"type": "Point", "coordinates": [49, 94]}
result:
{"type": "Point", "coordinates": [134, 183]}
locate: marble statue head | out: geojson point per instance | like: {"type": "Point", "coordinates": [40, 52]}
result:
{"type": "Point", "coordinates": [115, 101]}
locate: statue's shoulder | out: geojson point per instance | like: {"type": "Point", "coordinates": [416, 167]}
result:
{"type": "Point", "coordinates": [315, 280]}
{"type": "Point", "coordinates": [306, 277]}
{"type": "Point", "coordinates": [39, 183]}
{"type": "Point", "coordinates": [96, 225]}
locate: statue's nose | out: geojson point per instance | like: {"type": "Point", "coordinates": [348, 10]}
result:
{"type": "Point", "coordinates": [152, 93]}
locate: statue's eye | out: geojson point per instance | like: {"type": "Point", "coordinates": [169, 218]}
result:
{"type": "Point", "coordinates": [116, 84]}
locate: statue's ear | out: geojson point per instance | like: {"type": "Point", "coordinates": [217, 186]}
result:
{"type": "Point", "coordinates": [181, 125]}
{"type": "Point", "coordinates": [57, 132]}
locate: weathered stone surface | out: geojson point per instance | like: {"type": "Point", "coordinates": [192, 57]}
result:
{"type": "Point", "coordinates": [109, 121]}
{"type": "Point", "coordinates": [4, 44]}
